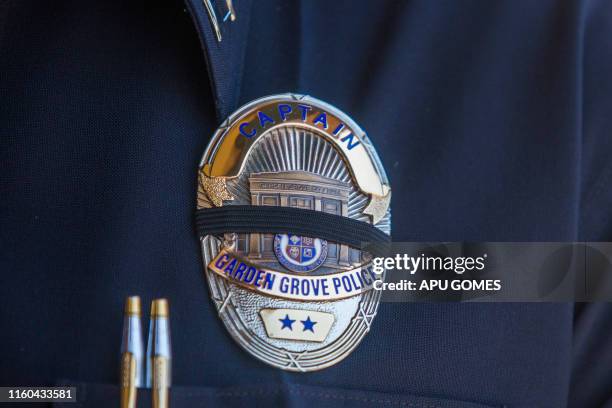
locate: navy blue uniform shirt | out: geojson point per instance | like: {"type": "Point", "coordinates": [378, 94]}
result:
{"type": "Point", "coordinates": [492, 118]}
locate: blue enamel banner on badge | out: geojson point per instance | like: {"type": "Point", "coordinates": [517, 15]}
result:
{"type": "Point", "coordinates": [275, 283]}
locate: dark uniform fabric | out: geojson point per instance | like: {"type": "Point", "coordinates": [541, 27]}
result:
{"type": "Point", "coordinates": [493, 120]}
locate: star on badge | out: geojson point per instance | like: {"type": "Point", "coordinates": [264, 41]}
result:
{"type": "Point", "coordinates": [308, 324]}
{"type": "Point", "coordinates": [287, 322]}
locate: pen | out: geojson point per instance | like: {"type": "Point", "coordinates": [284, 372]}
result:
{"type": "Point", "coordinates": [159, 356]}
{"type": "Point", "coordinates": [132, 353]}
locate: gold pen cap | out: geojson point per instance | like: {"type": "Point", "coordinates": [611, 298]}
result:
{"type": "Point", "coordinates": [159, 308]}
{"type": "Point", "coordinates": [132, 306]}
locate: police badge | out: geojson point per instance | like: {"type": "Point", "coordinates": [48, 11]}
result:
{"type": "Point", "coordinates": [289, 187]}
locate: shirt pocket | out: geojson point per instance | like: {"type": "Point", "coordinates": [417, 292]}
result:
{"type": "Point", "coordinates": [97, 395]}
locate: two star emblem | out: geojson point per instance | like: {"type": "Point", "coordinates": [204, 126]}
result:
{"type": "Point", "coordinates": [288, 323]}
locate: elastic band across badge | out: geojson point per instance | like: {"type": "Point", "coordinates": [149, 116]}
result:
{"type": "Point", "coordinates": [279, 220]}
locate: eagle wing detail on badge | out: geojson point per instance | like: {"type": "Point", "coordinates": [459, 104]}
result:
{"type": "Point", "coordinates": [215, 189]}
{"type": "Point", "coordinates": [378, 206]}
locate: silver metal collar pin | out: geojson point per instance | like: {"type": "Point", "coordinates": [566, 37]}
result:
{"type": "Point", "coordinates": [231, 15]}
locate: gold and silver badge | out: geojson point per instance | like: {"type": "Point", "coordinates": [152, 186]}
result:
{"type": "Point", "coordinates": [289, 187]}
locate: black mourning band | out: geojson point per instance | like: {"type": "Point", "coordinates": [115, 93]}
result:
{"type": "Point", "coordinates": [282, 220]}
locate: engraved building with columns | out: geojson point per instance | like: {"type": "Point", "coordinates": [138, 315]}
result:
{"type": "Point", "coordinates": [300, 190]}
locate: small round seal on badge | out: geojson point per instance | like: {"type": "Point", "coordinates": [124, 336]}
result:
{"type": "Point", "coordinates": [298, 253]}
{"type": "Point", "coordinates": [287, 189]}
